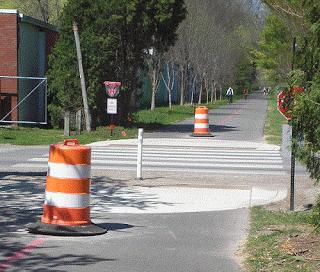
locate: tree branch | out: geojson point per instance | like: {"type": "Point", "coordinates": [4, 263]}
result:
{"type": "Point", "coordinates": [289, 11]}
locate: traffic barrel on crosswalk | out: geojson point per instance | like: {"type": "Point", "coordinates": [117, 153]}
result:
{"type": "Point", "coordinates": [67, 193]}
{"type": "Point", "coordinates": [201, 122]}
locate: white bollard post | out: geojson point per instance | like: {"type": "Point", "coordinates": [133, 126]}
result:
{"type": "Point", "coordinates": [139, 157]}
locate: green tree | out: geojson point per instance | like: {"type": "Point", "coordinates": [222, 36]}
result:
{"type": "Point", "coordinates": [114, 35]}
{"type": "Point", "coordinates": [306, 111]}
{"type": "Point", "coordinates": [300, 19]}
{"type": "Point", "coordinates": [275, 49]}
{"type": "Point", "coordinates": [245, 74]}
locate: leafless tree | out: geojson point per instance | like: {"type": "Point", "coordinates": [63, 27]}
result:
{"type": "Point", "coordinates": [45, 10]}
{"type": "Point", "coordinates": [154, 61]}
{"type": "Point", "coordinates": [209, 44]}
{"type": "Point", "coordinates": [169, 78]}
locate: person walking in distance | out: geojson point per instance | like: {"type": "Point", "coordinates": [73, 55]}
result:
{"type": "Point", "coordinates": [230, 94]}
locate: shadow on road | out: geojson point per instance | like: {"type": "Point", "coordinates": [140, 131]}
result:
{"type": "Point", "coordinates": [181, 128]}
{"type": "Point", "coordinates": [23, 174]}
{"type": "Point", "coordinates": [22, 198]}
{"type": "Point", "coordinates": [23, 258]}
{"type": "Point", "coordinates": [107, 193]}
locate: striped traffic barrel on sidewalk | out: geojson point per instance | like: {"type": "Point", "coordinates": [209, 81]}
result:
{"type": "Point", "coordinates": [67, 193]}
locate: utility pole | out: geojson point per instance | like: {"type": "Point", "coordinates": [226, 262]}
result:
{"type": "Point", "coordinates": [293, 158]}
{"type": "Point", "coordinates": [82, 79]}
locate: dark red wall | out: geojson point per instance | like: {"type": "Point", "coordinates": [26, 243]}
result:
{"type": "Point", "coordinates": [8, 62]}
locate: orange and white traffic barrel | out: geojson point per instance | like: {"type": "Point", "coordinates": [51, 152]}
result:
{"type": "Point", "coordinates": [201, 122]}
{"type": "Point", "coordinates": [67, 193]}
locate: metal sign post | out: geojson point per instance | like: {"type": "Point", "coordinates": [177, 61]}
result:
{"type": "Point", "coordinates": [112, 109]}
{"type": "Point", "coordinates": [284, 108]}
{"type": "Point", "coordinates": [293, 166]}
{"type": "Point", "coordinates": [112, 89]}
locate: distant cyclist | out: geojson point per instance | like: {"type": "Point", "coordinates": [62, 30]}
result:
{"type": "Point", "coordinates": [245, 93]}
{"type": "Point", "coordinates": [264, 91]}
{"type": "Point", "coordinates": [230, 94]}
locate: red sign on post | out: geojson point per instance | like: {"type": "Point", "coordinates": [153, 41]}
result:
{"type": "Point", "coordinates": [286, 100]}
{"type": "Point", "coordinates": [283, 106]}
{"type": "Point", "coordinates": [112, 88]}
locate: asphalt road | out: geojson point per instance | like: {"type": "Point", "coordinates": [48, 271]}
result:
{"type": "Point", "coordinates": [190, 241]}
{"type": "Point", "coordinates": [242, 120]}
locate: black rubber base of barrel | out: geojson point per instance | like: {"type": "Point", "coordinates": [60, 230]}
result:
{"type": "Point", "coordinates": [59, 230]}
{"type": "Point", "coordinates": [201, 135]}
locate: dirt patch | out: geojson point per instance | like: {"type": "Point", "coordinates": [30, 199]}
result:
{"type": "Point", "coordinates": [305, 245]}
{"type": "Point", "coordinates": [305, 195]}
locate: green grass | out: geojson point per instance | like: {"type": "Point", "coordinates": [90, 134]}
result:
{"type": "Point", "coordinates": [268, 246]}
{"type": "Point", "coordinates": [274, 121]}
{"type": "Point", "coordinates": [162, 116]}
{"type": "Point", "coordinates": [34, 136]}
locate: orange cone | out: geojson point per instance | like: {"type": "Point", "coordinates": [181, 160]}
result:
{"type": "Point", "coordinates": [201, 122]}
{"type": "Point", "coordinates": [67, 194]}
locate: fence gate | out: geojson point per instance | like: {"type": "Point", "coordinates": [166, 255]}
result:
{"type": "Point", "coordinates": [23, 100]}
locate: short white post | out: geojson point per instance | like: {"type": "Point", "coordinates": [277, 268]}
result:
{"type": "Point", "coordinates": [139, 157]}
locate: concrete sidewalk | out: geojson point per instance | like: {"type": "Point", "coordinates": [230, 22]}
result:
{"type": "Point", "coordinates": [170, 198]}
{"type": "Point", "coordinates": [139, 199]}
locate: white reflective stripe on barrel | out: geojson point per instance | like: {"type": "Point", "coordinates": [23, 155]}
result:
{"type": "Point", "coordinates": [201, 116]}
{"type": "Point", "coordinates": [61, 170]}
{"type": "Point", "coordinates": [67, 200]}
{"type": "Point", "coordinates": [201, 125]}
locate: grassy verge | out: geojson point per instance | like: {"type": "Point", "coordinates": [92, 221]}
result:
{"type": "Point", "coordinates": [34, 136]}
{"type": "Point", "coordinates": [149, 120]}
{"type": "Point", "coordinates": [163, 116]}
{"type": "Point", "coordinates": [274, 121]}
{"type": "Point", "coordinates": [280, 241]}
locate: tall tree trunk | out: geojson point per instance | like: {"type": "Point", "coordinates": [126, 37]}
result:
{"type": "Point", "coordinates": [200, 94]}
{"type": "Point", "coordinates": [193, 88]}
{"type": "Point", "coordinates": [207, 90]}
{"type": "Point", "coordinates": [182, 86]}
{"type": "Point", "coordinates": [153, 101]}
{"type": "Point", "coordinates": [154, 90]}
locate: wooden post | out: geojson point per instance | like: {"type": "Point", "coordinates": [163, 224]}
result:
{"type": "Point", "coordinates": [82, 79]}
{"type": "Point", "coordinates": [78, 122]}
{"type": "Point", "coordinates": [67, 123]}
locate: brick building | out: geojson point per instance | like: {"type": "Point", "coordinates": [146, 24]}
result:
{"type": "Point", "coordinates": [25, 44]}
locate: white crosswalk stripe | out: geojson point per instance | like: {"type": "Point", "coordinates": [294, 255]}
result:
{"type": "Point", "coordinates": [214, 160]}
{"type": "Point", "coordinates": [190, 159]}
